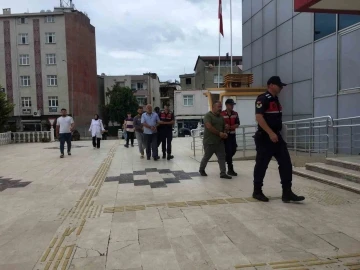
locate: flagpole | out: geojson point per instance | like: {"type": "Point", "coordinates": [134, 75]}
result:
{"type": "Point", "coordinates": [231, 54]}
{"type": "Point", "coordinates": [219, 63]}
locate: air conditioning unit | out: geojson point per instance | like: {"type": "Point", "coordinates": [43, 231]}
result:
{"type": "Point", "coordinates": [37, 113]}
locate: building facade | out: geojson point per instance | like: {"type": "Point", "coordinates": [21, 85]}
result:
{"type": "Point", "coordinates": [318, 55]}
{"type": "Point", "coordinates": [190, 107]}
{"type": "Point", "coordinates": [48, 62]}
{"type": "Point", "coordinates": [206, 72]}
{"type": "Point", "coordinates": [146, 87]}
{"type": "Point", "coordinates": [167, 91]}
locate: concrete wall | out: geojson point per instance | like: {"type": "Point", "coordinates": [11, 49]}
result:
{"type": "Point", "coordinates": [185, 86]}
{"type": "Point", "coordinates": [81, 63]}
{"type": "Point", "coordinates": [199, 108]}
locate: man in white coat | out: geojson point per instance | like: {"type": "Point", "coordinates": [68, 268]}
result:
{"type": "Point", "coordinates": [96, 129]}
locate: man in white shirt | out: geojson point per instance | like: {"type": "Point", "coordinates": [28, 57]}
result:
{"type": "Point", "coordinates": [64, 127]}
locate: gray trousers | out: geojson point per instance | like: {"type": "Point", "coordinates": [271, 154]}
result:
{"type": "Point", "coordinates": [141, 141]}
{"type": "Point", "coordinates": [219, 151]}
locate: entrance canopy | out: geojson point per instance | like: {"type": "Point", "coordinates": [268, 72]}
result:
{"type": "Point", "coordinates": [328, 6]}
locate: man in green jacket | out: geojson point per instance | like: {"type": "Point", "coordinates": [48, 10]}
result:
{"type": "Point", "coordinates": [214, 135]}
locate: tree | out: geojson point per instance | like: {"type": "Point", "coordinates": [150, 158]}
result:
{"type": "Point", "coordinates": [122, 101]}
{"type": "Point", "coordinates": [5, 109]}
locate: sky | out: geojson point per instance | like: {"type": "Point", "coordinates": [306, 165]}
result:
{"type": "Point", "coordinates": [163, 36]}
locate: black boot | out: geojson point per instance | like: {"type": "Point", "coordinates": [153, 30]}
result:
{"type": "Point", "coordinates": [164, 155]}
{"type": "Point", "coordinates": [231, 170]}
{"type": "Point", "coordinates": [202, 173]}
{"type": "Point", "coordinates": [289, 196]}
{"type": "Point", "coordinates": [259, 195]}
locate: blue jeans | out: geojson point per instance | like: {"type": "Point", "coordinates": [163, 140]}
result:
{"type": "Point", "coordinates": [65, 137]}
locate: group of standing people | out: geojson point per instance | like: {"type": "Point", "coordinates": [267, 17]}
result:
{"type": "Point", "coordinates": [151, 129]}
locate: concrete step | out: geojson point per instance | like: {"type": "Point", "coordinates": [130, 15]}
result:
{"type": "Point", "coordinates": [351, 163]}
{"type": "Point", "coordinates": [330, 170]}
{"type": "Point", "coordinates": [329, 180]}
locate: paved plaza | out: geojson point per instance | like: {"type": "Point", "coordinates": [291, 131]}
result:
{"type": "Point", "coordinates": [109, 209]}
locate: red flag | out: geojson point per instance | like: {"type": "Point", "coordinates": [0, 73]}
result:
{"type": "Point", "coordinates": [221, 18]}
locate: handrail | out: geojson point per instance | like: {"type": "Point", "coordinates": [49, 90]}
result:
{"type": "Point", "coordinates": [310, 120]}
{"type": "Point", "coordinates": [318, 134]}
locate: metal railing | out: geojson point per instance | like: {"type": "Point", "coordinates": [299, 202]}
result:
{"type": "Point", "coordinates": [5, 138]}
{"type": "Point", "coordinates": [30, 137]}
{"type": "Point", "coordinates": [318, 135]}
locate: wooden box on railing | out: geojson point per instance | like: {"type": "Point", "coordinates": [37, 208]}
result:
{"type": "Point", "coordinates": [238, 80]}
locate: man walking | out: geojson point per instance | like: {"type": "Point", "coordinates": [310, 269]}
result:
{"type": "Point", "coordinates": [232, 122]}
{"type": "Point", "coordinates": [165, 131]}
{"type": "Point", "coordinates": [150, 121]}
{"type": "Point", "coordinates": [269, 142]}
{"type": "Point", "coordinates": [214, 136]}
{"type": "Point", "coordinates": [129, 127]}
{"type": "Point", "coordinates": [139, 131]}
{"type": "Point", "coordinates": [64, 127]}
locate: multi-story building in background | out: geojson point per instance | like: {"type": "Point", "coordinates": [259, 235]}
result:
{"type": "Point", "coordinates": [146, 87]}
{"type": "Point", "coordinates": [190, 106]}
{"type": "Point", "coordinates": [167, 90]}
{"type": "Point", "coordinates": [317, 54]}
{"type": "Point", "coordinates": [206, 72]}
{"type": "Point", "coordinates": [48, 62]}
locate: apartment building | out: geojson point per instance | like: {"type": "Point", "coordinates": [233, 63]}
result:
{"type": "Point", "coordinates": [190, 106]}
{"type": "Point", "coordinates": [48, 62]}
{"type": "Point", "coordinates": [206, 72]}
{"type": "Point", "coordinates": [167, 90]}
{"type": "Point", "coordinates": [317, 54]}
{"type": "Point", "coordinates": [146, 87]}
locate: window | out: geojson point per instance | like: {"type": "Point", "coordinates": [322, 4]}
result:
{"type": "Point", "coordinates": [53, 102]}
{"type": "Point", "coordinates": [138, 86]}
{"type": "Point", "coordinates": [188, 81]}
{"type": "Point", "coordinates": [24, 60]}
{"type": "Point", "coordinates": [220, 80]}
{"type": "Point", "coordinates": [349, 58]}
{"type": "Point", "coordinates": [23, 39]}
{"type": "Point", "coordinates": [346, 20]}
{"type": "Point", "coordinates": [142, 101]}
{"type": "Point", "coordinates": [24, 81]}
{"type": "Point", "coordinates": [49, 19]}
{"type": "Point", "coordinates": [26, 102]}
{"type": "Point", "coordinates": [52, 80]}
{"type": "Point", "coordinates": [51, 59]}
{"type": "Point", "coordinates": [188, 100]}
{"type": "Point", "coordinates": [50, 38]}
{"type": "Point", "coordinates": [22, 20]}
{"type": "Point", "coordinates": [325, 24]}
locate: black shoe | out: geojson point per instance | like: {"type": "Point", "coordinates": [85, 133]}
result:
{"type": "Point", "coordinates": [203, 173]}
{"type": "Point", "coordinates": [259, 195]}
{"type": "Point", "coordinates": [62, 156]}
{"type": "Point", "coordinates": [289, 196]}
{"type": "Point", "coordinates": [170, 157]}
{"type": "Point", "coordinates": [225, 176]}
{"type": "Point", "coordinates": [148, 158]}
{"type": "Point", "coordinates": [126, 145]}
{"type": "Point", "coordinates": [156, 158]}
{"type": "Point", "coordinates": [164, 156]}
{"type": "Point", "coordinates": [231, 171]}
{"type": "Point", "coordinates": [69, 153]}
